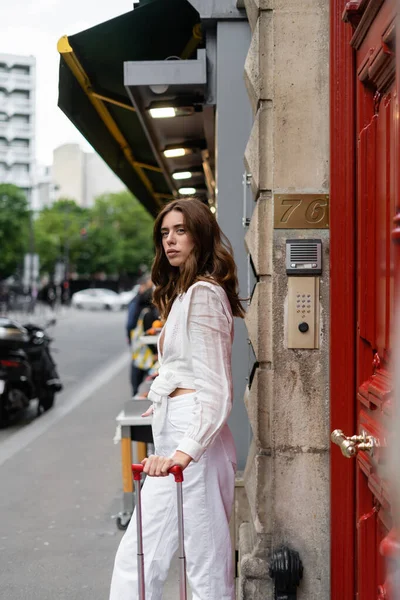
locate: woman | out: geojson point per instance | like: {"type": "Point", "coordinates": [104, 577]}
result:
{"type": "Point", "coordinates": [196, 291]}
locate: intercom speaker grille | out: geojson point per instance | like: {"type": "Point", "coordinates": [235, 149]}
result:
{"type": "Point", "coordinates": [303, 253]}
{"type": "Point", "coordinates": [303, 257]}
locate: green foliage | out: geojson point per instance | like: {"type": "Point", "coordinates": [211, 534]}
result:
{"type": "Point", "coordinates": [113, 237]}
{"type": "Point", "coordinates": [14, 228]}
{"type": "Point", "coordinates": [132, 226]}
{"type": "Point", "coordinates": [57, 229]}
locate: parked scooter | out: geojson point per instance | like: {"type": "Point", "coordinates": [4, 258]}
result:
{"type": "Point", "coordinates": [27, 370]}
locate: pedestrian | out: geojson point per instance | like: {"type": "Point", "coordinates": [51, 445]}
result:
{"type": "Point", "coordinates": [143, 355]}
{"type": "Point", "coordinates": [48, 294]}
{"type": "Point", "coordinates": [4, 298]}
{"type": "Point", "coordinates": [139, 305]}
{"type": "Point", "coordinates": [196, 291]}
{"type": "Point", "coordinates": [134, 307]}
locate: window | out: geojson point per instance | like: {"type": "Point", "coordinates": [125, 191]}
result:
{"type": "Point", "coordinates": [19, 143]}
{"type": "Point", "coordinates": [19, 119]}
{"type": "Point", "coordinates": [3, 142]}
{"type": "Point", "coordinates": [3, 116]}
{"type": "Point", "coordinates": [20, 70]}
{"type": "Point", "coordinates": [20, 95]}
{"type": "Point", "coordinates": [19, 169]}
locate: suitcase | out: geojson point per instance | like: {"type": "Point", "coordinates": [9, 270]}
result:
{"type": "Point", "coordinates": [178, 475]}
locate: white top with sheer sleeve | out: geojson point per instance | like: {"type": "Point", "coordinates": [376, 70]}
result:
{"type": "Point", "coordinates": [197, 347]}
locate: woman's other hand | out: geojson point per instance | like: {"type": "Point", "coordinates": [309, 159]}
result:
{"type": "Point", "coordinates": [158, 466]}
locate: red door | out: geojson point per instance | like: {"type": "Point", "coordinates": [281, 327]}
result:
{"type": "Point", "coordinates": [375, 151]}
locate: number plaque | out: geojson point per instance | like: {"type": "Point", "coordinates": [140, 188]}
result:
{"type": "Point", "coordinates": [301, 211]}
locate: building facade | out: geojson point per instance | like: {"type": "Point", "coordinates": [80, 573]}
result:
{"type": "Point", "coordinates": [17, 120]}
{"type": "Point", "coordinates": [298, 105]}
{"type": "Point", "coordinates": [287, 160]}
{"type": "Point", "coordinates": [44, 189]}
{"type": "Point", "coordinates": [81, 176]}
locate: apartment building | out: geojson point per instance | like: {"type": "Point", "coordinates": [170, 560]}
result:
{"type": "Point", "coordinates": [81, 175]}
{"type": "Point", "coordinates": [17, 120]}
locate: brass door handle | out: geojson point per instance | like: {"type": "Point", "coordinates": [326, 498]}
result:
{"type": "Point", "coordinates": [356, 443]}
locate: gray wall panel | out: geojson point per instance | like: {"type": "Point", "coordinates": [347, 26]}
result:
{"type": "Point", "coordinates": [234, 121]}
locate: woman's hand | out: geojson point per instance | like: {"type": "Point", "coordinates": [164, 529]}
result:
{"type": "Point", "coordinates": [148, 412]}
{"type": "Point", "coordinates": [158, 466]}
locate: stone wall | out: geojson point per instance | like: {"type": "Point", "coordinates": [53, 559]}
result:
{"type": "Point", "coordinates": [287, 472]}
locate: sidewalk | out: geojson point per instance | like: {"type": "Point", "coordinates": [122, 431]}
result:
{"type": "Point", "coordinates": [58, 537]}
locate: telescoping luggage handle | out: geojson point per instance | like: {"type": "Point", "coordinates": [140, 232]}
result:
{"type": "Point", "coordinates": [178, 475]}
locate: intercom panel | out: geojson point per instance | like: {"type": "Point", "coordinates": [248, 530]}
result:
{"type": "Point", "coordinates": [303, 312]}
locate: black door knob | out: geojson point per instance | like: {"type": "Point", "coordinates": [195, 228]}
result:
{"type": "Point", "coordinates": [304, 327]}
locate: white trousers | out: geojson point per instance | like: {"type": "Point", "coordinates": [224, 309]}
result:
{"type": "Point", "coordinates": [208, 490]}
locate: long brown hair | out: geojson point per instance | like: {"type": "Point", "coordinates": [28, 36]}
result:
{"type": "Point", "coordinates": [210, 260]}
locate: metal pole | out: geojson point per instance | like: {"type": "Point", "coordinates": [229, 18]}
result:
{"type": "Point", "coordinates": [182, 557]}
{"type": "Point", "coordinates": [66, 290]}
{"type": "Point", "coordinates": [32, 280]}
{"type": "Point", "coordinates": [66, 261]}
{"type": "Point", "coordinates": [31, 265]}
{"type": "Point", "coordinates": [139, 535]}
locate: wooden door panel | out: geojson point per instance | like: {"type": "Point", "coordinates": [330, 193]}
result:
{"type": "Point", "coordinates": [366, 525]}
{"type": "Point", "coordinates": [385, 211]}
{"type": "Point", "coordinates": [376, 159]}
{"type": "Point", "coordinates": [371, 467]}
{"type": "Point", "coordinates": [373, 31]}
{"type": "Point", "coordinates": [375, 213]}
{"type": "Point", "coordinates": [371, 154]}
{"type": "Point", "coordinates": [382, 192]}
{"type": "Point", "coordinates": [366, 179]}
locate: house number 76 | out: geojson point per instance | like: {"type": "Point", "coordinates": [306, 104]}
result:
{"type": "Point", "coordinates": [301, 211]}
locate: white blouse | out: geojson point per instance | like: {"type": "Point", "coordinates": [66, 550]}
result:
{"type": "Point", "coordinates": [197, 348]}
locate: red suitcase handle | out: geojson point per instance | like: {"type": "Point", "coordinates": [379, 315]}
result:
{"type": "Point", "coordinates": [175, 471]}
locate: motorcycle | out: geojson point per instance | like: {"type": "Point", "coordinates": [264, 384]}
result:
{"type": "Point", "coordinates": [27, 370]}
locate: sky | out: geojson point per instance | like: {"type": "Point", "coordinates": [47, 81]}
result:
{"type": "Point", "coordinates": [34, 28]}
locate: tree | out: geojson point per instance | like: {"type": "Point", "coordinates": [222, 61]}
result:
{"type": "Point", "coordinates": [14, 228]}
{"type": "Point", "coordinates": [100, 249]}
{"type": "Point", "coordinates": [112, 237]}
{"type": "Point", "coordinates": [130, 227]}
{"type": "Point", "coordinates": [58, 233]}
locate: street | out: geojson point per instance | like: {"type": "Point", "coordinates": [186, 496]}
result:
{"type": "Point", "coordinates": [85, 341]}
{"type": "Point", "coordinates": [61, 474]}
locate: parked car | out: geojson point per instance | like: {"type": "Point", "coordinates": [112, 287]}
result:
{"type": "Point", "coordinates": [128, 296]}
{"type": "Point", "coordinates": [97, 298]}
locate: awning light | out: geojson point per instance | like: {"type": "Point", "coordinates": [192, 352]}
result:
{"type": "Point", "coordinates": [166, 112]}
{"type": "Point", "coordinates": [187, 191]}
{"type": "Point", "coordinates": [213, 210]}
{"type": "Point", "coordinates": [182, 175]}
{"type": "Point", "coordinates": [176, 152]}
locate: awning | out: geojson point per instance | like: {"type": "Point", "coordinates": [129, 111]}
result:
{"type": "Point", "coordinates": [93, 96]}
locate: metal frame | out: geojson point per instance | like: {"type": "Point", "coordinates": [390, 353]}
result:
{"type": "Point", "coordinates": [210, 10]}
{"type": "Point", "coordinates": [98, 102]}
{"type": "Point", "coordinates": [180, 73]}
{"type": "Point", "coordinates": [170, 72]}
{"type": "Point", "coordinates": [178, 476]}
